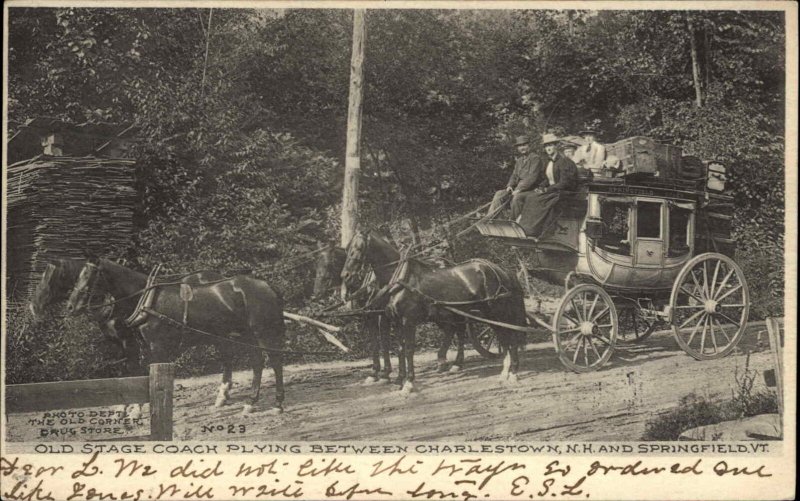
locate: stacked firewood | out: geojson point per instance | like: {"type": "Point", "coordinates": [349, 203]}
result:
{"type": "Point", "coordinates": [61, 207]}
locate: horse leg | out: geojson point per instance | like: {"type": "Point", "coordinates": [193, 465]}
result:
{"type": "Point", "coordinates": [276, 361]}
{"type": "Point", "coordinates": [257, 364]}
{"type": "Point", "coordinates": [372, 327]}
{"type": "Point", "coordinates": [409, 335]}
{"type": "Point", "coordinates": [401, 353]}
{"type": "Point", "coordinates": [383, 329]}
{"type": "Point", "coordinates": [223, 393]}
{"type": "Point", "coordinates": [441, 355]}
{"type": "Point", "coordinates": [460, 330]}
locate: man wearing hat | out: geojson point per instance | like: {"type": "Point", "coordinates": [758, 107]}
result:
{"type": "Point", "coordinates": [561, 175]}
{"type": "Point", "coordinates": [528, 174]}
{"type": "Point", "coordinates": [592, 154]}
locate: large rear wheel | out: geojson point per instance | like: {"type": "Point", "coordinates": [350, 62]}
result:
{"type": "Point", "coordinates": [709, 306]}
{"type": "Point", "coordinates": [585, 328]}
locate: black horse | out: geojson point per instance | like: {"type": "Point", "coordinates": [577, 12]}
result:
{"type": "Point", "coordinates": [417, 288]}
{"type": "Point", "coordinates": [57, 281]}
{"type": "Point", "coordinates": [327, 278]}
{"type": "Point", "coordinates": [223, 312]}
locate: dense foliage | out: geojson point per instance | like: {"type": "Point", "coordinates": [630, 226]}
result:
{"type": "Point", "coordinates": [241, 114]}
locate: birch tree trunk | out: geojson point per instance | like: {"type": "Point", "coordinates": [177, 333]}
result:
{"type": "Point", "coordinates": [352, 165]}
{"type": "Point", "coordinates": [698, 86]}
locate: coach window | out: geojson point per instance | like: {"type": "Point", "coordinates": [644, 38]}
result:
{"type": "Point", "coordinates": [679, 218]}
{"type": "Point", "coordinates": [616, 225]}
{"type": "Point", "coordinates": [648, 220]}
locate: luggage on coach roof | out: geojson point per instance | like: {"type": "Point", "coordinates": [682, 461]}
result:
{"type": "Point", "coordinates": [643, 155]}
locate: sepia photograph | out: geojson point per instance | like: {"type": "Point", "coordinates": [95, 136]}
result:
{"type": "Point", "coordinates": [399, 228]}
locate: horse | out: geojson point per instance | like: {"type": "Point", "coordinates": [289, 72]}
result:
{"type": "Point", "coordinates": [57, 281]}
{"type": "Point", "coordinates": [383, 259]}
{"type": "Point", "coordinates": [417, 287]}
{"type": "Point", "coordinates": [327, 277]}
{"type": "Point", "coordinates": [221, 312]}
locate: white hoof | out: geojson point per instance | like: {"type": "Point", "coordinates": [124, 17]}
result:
{"type": "Point", "coordinates": [503, 376]}
{"type": "Point", "coordinates": [220, 401]}
{"type": "Point", "coordinates": [382, 381]}
{"type": "Point", "coordinates": [408, 388]}
{"type": "Point", "coordinates": [247, 409]}
{"type": "Point", "coordinates": [512, 379]}
{"type": "Point", "coordinates": [274, 411]}
{"type": "Point", "coordinates": [455, 368]}
{"type": "Point", "coordinates": [370, 380]}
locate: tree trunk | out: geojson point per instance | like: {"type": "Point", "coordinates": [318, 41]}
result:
{"type": "Point", "coordinates": [698, 86]}
{"type": "Point", "coordinates": [352, 165]}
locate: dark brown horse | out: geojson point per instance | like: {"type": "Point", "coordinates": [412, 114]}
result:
{"type": "Point", "coordinates": [223, 313]}
{"type": "Point", "coordinates": [479, 286]}
{"type": "Point", "coordinates": [327, 278]}
{"type": "Point", "coordinates": [383, 257]}
{"type": "Point", "coordinates": [54, 287]}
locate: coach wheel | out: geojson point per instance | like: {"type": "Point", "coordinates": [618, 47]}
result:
{"type": "Point", "coordinates": [709, 306]}
{"type": "Point", "coordinates": [484, 340]}
{"type": "Point", "coordinates": [585, 328]}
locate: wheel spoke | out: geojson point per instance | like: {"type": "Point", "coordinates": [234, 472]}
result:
{"type": "Point", "coordinates": [577, 350]}
{"type": "Point", "coordinates": [714, 280]}
{"type": "Point", "coordinates": [713, 336]}
{"type": "Point", "coordinates": [703, 338]}
{"type": "Point", "coordinates": [694, 331]}
{"type": "Point", "coordinates": [604, 340]}
{"type": "Point", "coordinates": [691, 318]}
{"type": "Point", "coordinates": [567, 331]}
{"type": "Point", "coordinates": [567, 317]}
{"type": "Point", "coordinates": [721, 328]}
{"type": "Point", "coordinates": [697, 286]}
{"type": "Point", "coordinates": [705, 279]}
{"type": "Point", "coordinates": [729, 319]}
{"type": "Point", "coordinates": [689, 306]}
{"type": "Point", "coordinates": [583, 304]}
{"type": "Point", "coordinates": [690, 293]}
{"type": "Point", "coordinates": [719, 300]}
{"type": "Point", "coordinates": [600, 315]}
{"type": "Point", "coordinates": [605, 326]}
{"type": "Point", "coordinates": [740, 305]}
{"type": "Point", "coordinates": [594, 303]}
{"type": "Point", "coordinates": [724, 282]}
{"type": "Point", "coordinates": [577, 310]}
{"type": "Point", "coordinates": [586, 351]}
{"type": "Point", "coordinates": [594, 349]}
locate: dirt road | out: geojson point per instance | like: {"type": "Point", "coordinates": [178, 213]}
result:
{"type": "Point", "coordinates": [329, 401]}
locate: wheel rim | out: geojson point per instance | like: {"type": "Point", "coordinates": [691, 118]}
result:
{"type": "Point", "coordinates": [484, 340]}
{"type": "Point", "coordinates": [710, 303]}
{"type": "Point", "coordinates": [585, 328]}
{"type": "Point", "coordinates": [633, 326]}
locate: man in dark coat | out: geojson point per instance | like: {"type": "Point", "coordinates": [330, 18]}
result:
{"type": "Point", "coordinates": [528, 174]}
{"type": "Point", "coordinates": [561, 175]}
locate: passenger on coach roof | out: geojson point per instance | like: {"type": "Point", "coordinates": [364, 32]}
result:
{"type": "Point", "coordinates": [592, 154]}
{"type": "Point", "coordinates": [528, 175]}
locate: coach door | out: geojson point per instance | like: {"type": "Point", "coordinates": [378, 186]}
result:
{"type": "Point", "coordinates": [649, 223]}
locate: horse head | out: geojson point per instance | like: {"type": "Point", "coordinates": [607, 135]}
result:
{"type": "Point", "coordinates": [328, 270]}
{"type": "Point", "coordinates": [85, 286]}
{"type": "Point", "coordinates": [355, 259]}
{"type": "Point", "coordinates": [44, 294]}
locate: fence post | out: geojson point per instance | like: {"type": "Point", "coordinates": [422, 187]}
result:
{"type": "Point", "coordinates": [161, 385]}
{"type": "Point", "coordinates": [774, 329]}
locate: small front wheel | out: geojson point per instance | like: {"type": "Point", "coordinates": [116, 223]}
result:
{"type": "Point", "coordinates": [585, 328]}
{"type": "Point", "coordinates": [484, 340]}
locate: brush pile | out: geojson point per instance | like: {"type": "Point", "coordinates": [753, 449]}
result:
{"type": "Point", "coordinates": [61, 207]}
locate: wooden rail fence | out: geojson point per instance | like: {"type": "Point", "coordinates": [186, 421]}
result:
{"type": "Point", "coordinates": [155, 389]}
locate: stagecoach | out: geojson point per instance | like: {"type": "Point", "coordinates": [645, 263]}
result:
{"type": "Point", "coordinates": [633, 252]}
